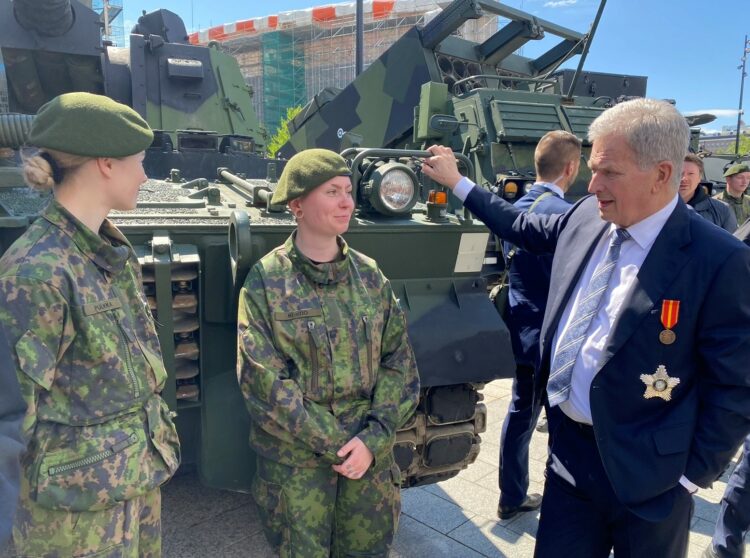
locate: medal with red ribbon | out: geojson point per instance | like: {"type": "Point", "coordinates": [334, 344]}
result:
{"type": "Point", "coordinates": [670, 313]}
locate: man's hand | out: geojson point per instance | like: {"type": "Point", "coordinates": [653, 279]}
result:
{"type": "Point", "coordinates": [442, 166]}
{"type": "Point", "coordinates": [358, 461]}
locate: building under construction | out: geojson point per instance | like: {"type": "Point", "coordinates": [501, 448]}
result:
{"type": "Point", "coordinates": [289, 57]}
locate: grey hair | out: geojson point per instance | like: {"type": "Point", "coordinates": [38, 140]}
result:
{"type": "Point", "coordinates": [655, 131]}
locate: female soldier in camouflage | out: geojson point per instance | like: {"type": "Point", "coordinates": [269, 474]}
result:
{"type": "Point", "coordinates": [100, 438]}
{"type": "Point", "coordinates": [327, 373]}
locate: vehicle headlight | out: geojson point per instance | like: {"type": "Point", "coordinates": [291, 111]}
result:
{"type": "Point", "coordinates": [394, 189]}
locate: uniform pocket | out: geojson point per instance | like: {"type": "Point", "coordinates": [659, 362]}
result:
{"type": "Point", "coordinates": [370, 351]}
{"type": "Point", "coordinates": [270, 501]}
{"type": "Point", "coordinates": [109, 463]}
{"type": "Point", "coordinates": [36, 360]}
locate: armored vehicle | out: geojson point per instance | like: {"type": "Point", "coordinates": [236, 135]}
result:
{"type": "Point", "coordinates": [197, 238]}
{"type": "Point", "coordinates": [194, 97]}
{"type": "Point", "coordinates": [482, 99]}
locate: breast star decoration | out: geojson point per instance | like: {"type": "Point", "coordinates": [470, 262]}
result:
{"type": "Point", "coordinates": [659, 384]}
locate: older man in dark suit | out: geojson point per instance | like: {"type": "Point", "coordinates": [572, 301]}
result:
{"type": "Point", "coordinates": [644, 356]}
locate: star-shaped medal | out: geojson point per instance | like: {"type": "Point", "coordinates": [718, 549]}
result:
{"type": "Point", "coordinates": [659, 384]}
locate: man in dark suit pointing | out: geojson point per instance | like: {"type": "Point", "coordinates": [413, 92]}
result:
{"type": "Point", "coordinates": [557, 159]}
{"type": "Point", "coordinates": [644, 356]}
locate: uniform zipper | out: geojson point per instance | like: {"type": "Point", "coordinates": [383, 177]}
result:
{"type": "Point", "coordinates": [368, 337]}
{"type": "Point", "coordinates": [315, 380]}
{"type": "Point", "coordinates": [129, 362]}
{"type": "Point", "coordinates": [91, 459]}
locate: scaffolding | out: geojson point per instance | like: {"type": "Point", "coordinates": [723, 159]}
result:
{"type": "Point", "coordinates": [289, 57]}
{"type": "Point", "coordinates": [282, 75]}
{"type": "Point", "coordinates": [112, 17]}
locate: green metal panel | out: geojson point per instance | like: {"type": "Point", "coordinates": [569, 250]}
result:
{"type": "Point", "coordinates": [580, 118]}
{"type": "Point", "coordinates": [433, 99]}
{"type": "Point", "coordinates": [527, 121]}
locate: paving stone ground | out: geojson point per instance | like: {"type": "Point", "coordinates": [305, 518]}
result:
{"type": "Point", "coordinates": [453, 519]}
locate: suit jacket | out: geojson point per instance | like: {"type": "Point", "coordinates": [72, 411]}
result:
{"type": "Point", "coordinates": [12, 410]}
{"type": "Point", "coordinates": [647, 444]}
{"type": "Point", "coordinates": [529, 276]}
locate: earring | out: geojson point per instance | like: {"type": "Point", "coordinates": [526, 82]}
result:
{"type": "Point", "coordinates": [298, 215]}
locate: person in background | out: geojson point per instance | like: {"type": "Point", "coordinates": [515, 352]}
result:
{"type": "Point", "coordinates": [327, 373]}
{"type": "Point", "coordinates": [735, 194]}
{"type": "Point", "coordinates": [12, 444]}
{"type": "Point", "coordinates": [645, 358]}
{"type": "Point", "coordinates": [556, 160]}
{"type": "Point", "coordinates": [84, 344]}
{"type": "Point", "coordinates": [696, 197]}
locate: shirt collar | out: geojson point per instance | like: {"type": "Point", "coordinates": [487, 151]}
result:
{"type": "Point", "coordinates": [554, 188]}
{"type": "Point", "coordinates": [321, 273]}
{"type": "Point", "coordinates": [644, 232]}
{"type": "Point", "coordinates": [109, 250]}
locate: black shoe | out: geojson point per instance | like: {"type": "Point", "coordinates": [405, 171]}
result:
{"type": "Point", "coordinates": [710, 552]}
{"type": "Point", "coordinates": [531, 503]}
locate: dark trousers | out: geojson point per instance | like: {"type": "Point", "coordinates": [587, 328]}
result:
{"type": "Point", "coordinates": [586, 520]}
{"type": "Point", "coordinates": [734, 515]}
{"type": "Point", "coordinates": [514, 440]}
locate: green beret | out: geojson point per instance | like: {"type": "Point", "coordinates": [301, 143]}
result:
{"type": "Point", "coordinates": [737, 169]}
{"type": "Point", "coordinates": [306, 171]}
{"type": "Point", "coordinates": [90, 126]}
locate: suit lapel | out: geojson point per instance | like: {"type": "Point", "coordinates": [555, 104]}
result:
{"type": "Point", "coordinates": [664, 261]}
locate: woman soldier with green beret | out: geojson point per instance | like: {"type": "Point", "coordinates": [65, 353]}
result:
{"type": "Point", "coordinates": [100, 438]}
{"type": "Point", "coordinates": [327, 373]}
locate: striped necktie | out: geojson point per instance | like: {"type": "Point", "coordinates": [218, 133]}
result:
{"type": "Point", "coordinates": [558, 385]}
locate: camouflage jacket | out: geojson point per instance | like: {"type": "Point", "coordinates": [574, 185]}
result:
{"type": "Point", "coordinates": [323, 356]}
{"type": "Point", "coordinates": [740, 206]}
{"type": "Point", "coordinates": [89, 365]}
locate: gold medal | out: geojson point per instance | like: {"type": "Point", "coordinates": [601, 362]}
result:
{"type": "Point", "coordinates": [659, 384]}
{"type": "Point", "coordinates": [667, 336]}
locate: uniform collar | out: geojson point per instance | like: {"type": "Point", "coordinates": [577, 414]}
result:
{"type": "Point", "coordinates": [321, 273]}
{"type": "Point", "coordinates": [109, 250]}
{"type": "Point", "coordinates": [729, 198]}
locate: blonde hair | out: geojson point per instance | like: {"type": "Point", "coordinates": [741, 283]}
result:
{"type": "Point", "coordinates": [38, 172]}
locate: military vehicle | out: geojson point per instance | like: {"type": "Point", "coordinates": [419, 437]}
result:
{"type": "Point", "coordinates": [194, 97]}
{"type": "Point", "coordinates": [481, 99]}
{"type": "Point", "coordinates": [197, 238]}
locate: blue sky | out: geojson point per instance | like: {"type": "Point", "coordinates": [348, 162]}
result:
{"type": "Point", "coordinates": [689, 49]}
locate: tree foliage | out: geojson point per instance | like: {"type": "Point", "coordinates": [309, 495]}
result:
{"type": "Point", "coordinates": [281, 136]}
{"type": "Point", "coordinates": [744, 146]}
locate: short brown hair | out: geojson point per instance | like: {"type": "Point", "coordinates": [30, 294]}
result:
{"type": "Point", "coordinates": [555, 150]}
{"type": "Point", "coordinates": [693, 158]}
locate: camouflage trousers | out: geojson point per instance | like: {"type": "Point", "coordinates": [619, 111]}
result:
{"type": "Point", "coordinates": [317, 513]}
{"type": "Point", "coordinates": [128, 530]}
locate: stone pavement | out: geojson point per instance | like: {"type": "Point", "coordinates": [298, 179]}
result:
{"type": "Point", "coordinates": [453, 519]}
